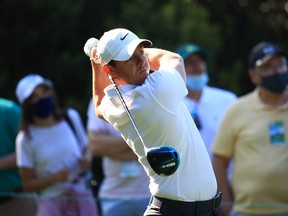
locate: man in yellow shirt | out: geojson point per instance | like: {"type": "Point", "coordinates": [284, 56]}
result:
{"type": "Point", "coordinates": [254, 132]}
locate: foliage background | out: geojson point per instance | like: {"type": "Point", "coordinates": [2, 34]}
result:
{"type": "Point", "coordinates": [47, 37]}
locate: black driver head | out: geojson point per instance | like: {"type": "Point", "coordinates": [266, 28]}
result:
{"type": "Point", "coordinates": [164, 160]}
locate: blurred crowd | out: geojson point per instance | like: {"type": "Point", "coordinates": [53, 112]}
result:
{"type": "Point", "coordinates": [53, 164]}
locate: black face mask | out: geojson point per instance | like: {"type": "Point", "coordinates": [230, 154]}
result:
{"type": "Point", "coordinates": [43, 108]}
{"type": "Point", "coordinates": [276, 83]}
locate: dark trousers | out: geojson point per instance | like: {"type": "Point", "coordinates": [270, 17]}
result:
{"type": "Point", "coordinates": [165, 207]}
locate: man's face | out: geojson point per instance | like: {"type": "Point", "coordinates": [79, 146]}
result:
{"type": "Point", "coordinates": [40, 92]}
{"type": "Point", "coordinates": [135, 70]}
{"type": "Point", "coordinates": [195, 65]}
{"type": "Point", "coordinates": [276, 65]}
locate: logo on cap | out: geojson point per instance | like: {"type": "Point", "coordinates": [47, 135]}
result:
{"type": "Point", "coordinates": [122, 38]}
{"type": "Point", "coordinates": [269, 49]}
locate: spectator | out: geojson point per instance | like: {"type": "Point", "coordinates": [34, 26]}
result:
{"type": "Point", "coordinates": [51, 151]}
{"type": "Point", "coordinates": [125, 188]}
{"type": "Point", "coordinates": [254, 133]}
{"type": "Point", "coordinates": [10, 181]}
{"type": "Point", "coordinates": [206, 104]}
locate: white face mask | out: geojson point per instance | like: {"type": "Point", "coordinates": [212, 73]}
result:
{"type": "Point", "coordinates": [197, 82]}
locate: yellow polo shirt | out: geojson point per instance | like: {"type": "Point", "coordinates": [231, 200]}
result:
{"type": "Point", "coordinates": [255, 135]}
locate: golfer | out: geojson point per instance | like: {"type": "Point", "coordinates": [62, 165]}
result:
{"type": "Point", "coordinates": [152, 83]}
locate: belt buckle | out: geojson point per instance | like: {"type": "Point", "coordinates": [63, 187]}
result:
{"type": "Point", "coordinates": [216, 198]}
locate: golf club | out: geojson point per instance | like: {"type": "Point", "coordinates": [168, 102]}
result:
{"type": "Point", "coordinates": [164, 160]}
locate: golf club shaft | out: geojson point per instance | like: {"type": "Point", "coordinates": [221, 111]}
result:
{"type": "Point", "coordinates": [127, 110]}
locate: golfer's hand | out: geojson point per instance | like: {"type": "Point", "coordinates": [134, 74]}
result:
{"type": "Point", "coordinates": [90, 49]}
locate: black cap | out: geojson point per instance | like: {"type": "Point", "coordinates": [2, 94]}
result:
{"type": "Point", "coordinates": [261, 52]}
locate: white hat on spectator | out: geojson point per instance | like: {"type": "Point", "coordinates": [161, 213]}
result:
{"type": "Point", "coordinates": [27, 84]}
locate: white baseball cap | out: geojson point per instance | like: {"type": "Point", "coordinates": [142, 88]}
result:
{"type": "Point", "coordinates": [118, 44]}
{"type": "Point", "coordinates": [27, 84]}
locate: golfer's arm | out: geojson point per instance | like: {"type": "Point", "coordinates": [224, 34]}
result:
{"type": "Point", "coordinates": [99, 82]}
{"type": "Point", "coordinates": [220, 165]}
{"type": "Point", "coordinates": [160, 57]}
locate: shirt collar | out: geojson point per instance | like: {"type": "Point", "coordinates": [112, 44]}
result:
{"type": "Point", "coordinates": [263, 106]}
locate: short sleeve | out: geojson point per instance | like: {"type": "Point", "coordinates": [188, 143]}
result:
{"type": "Point", "coordinates": [24, 151]}
{"type": "Point", "coordinates": [167, 87]}
{"type": "Point", "coordinates": [14, 117]}
{"type": "Point", "coordinates": [225, 138]}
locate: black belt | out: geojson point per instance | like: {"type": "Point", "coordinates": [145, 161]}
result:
{"type": "Point", "coordinates": [197, 206]}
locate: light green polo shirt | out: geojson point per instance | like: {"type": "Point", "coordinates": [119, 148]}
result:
{"type": "Point", "coordinates": [10, 116]}
{"type": "Point", "coordinates": [255, 135]}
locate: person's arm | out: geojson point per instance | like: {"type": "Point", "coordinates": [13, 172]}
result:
{"type": "Point", "coordinates": [8, 161]}
{"type": "Point", "coordinates": [160, 57]}
{"type": "Point", "coordinates": [100, 81]}
{"type": "Point", "coordinates": [102, 144]}
{"type": "Point", "coordinates": [220, 165]}
{"type": "Point", "coordinates": [33, 184]}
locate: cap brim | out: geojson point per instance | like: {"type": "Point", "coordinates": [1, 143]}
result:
{"type": "Point", "coordinates": [128, 50]}
{"type": "Point", "coordinates": [264, 60]}
{"type": "Point", "coordinates": [31, 88]}
{"type": "Point", "coordinates": [200, 53]}
{"type": "Point", "coordinates": [187, 50]}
